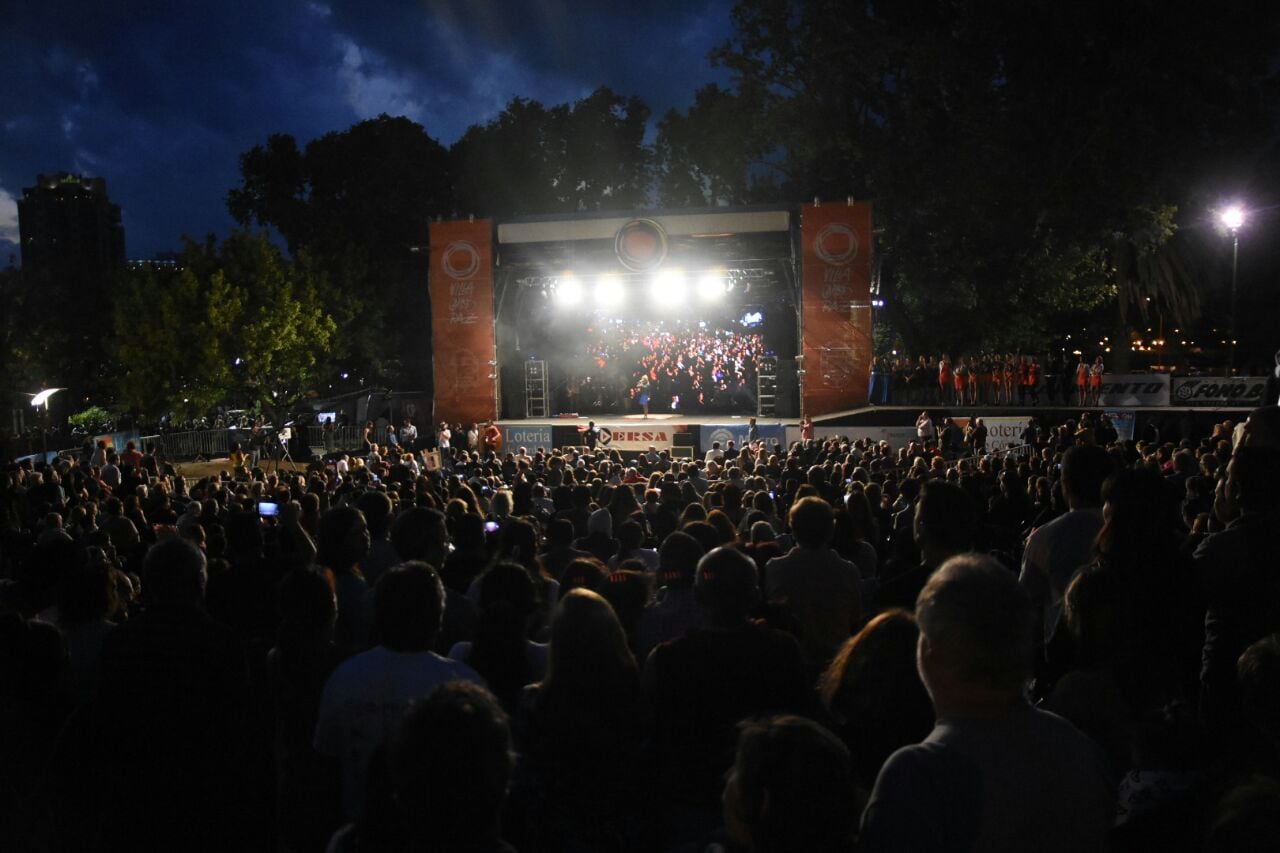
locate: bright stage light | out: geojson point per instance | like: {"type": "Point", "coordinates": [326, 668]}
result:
{"type": "Point", "coordinates": [711, 286]}
{"type": "Point", "coordinates": [568, 292]}
{"type": "Point", "coordinates": [609, 292]}
{"type": "Point", "coordinates": [668, 287]}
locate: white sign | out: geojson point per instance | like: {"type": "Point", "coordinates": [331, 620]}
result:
{"type": "Point", "coordinates": [1135, 389]}
{"type": "Point", "coordinates": [632, 437]}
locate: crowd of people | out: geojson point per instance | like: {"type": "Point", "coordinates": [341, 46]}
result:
{"type": "Point", "coordinates": [830, 646]}
{"type": "Point", "coordinates": [687, 370]}
{"type": "Point", "coordinates": [988, 379]}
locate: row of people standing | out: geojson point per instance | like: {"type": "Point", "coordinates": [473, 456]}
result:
{"type": "Point", "coordinates": [987, 379]}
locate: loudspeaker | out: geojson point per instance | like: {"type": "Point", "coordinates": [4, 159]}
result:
{"type": "Point", "coordinates": [788, 390]}
{"type": "Point", "coordinates": [512, 392]}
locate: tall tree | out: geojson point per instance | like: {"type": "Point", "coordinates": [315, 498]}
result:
{"type": "Point", "coordinates": [531, 159]}
{"type": "Point", "coordinates": [1006, 144]}
{"type": "Point", "coordinates": [358, 203]}
{"type": "Point", "coordinates": [238, 322]}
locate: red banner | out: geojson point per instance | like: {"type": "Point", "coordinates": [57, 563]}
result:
{"type": "Point", "coordinates": [835, 265]}
{"type": "Point", "coordinates": [461, 286]}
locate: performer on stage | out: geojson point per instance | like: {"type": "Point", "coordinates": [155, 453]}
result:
{"type": "Point", "coordinates": [642, 393]}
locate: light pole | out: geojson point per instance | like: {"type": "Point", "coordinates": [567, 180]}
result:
{"type": "Point", "coordinates": [41, 398]}
{"type": "Point", "coordinates": [1233, 218]}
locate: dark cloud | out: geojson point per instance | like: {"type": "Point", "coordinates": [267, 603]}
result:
{"type": "Point", "coordinates": [161, 98]}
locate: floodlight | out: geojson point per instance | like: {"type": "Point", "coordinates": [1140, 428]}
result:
{"type": "Point", "coordinates": [568, 291]}
{"type": "Point", "coordinates": [711, 286]}
{"type": "Point", "coordinates": [609, 292]}
{"type": "Point", "coordinates": [1232, 217]}
{"type": "Point", "coordinates": [667, 287]}
{"type": "Point", "coordinates": [41, 398]}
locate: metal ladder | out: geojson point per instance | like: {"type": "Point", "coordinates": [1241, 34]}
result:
{"type": "Point", "coordinates": [767, 387]}
{"type": "Point", "coordinates": [535, 389]}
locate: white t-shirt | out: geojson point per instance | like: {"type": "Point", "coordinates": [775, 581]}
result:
{"type": "Point", "coordinates": [363, 702]}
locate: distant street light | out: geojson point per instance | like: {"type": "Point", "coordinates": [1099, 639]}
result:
{"type": "Point", "coordinates": [1233, 218]}
{"type": "Point", "coordinates": [38, 399]}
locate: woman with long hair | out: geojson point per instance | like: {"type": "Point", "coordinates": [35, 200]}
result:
{"type": "Point", "coordinates": [874, 695]}
{"type": "Point", "coordinates": [501, 650]}
{"type": "Point", "coordinates": [342, 542]}
{"type": "Point", "coordinates": [577, 732]}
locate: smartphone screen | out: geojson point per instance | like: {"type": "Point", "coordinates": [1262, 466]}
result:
{"type": "Point", "coordinates": [491, 527]}
{"type": "Point", "coordinates": [268, 509]}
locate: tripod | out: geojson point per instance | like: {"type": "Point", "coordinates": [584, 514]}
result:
{"type": "Point", "coordinates": [283, 452]}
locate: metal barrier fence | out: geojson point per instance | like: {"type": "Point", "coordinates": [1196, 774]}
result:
{"type": "Point", "coordinates": [206, 443]}
{"type": "Point", "coordinates": [343, 438]}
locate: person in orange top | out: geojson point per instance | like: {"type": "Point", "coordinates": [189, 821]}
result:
{"type": "Point", "coordinates": [975, 374]}
{"type": "Point", "coordinates": [1033, 381]}
{"type": "Point", "coordinates": [1009, 375]}
{"type": "Point", "coordinates": [1082, 382]}
{"type": "Point", "coordinates": [961, 380]}
{"type": "Point", "coordinates": [1095, 381]}
{"type": "Point", "coordinates": [493, 437]}
{"type": "Point", "coordinates": [944, 379]}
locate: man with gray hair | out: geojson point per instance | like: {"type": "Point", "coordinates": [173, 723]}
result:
{"type": "Point", "coordinates": [995, 773]}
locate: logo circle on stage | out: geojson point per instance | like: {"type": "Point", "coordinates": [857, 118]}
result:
{"type": "Point", "coordinates": [836, 244]}
{"type": "Point", "coordinates": [606, 435]}
{"type": "Point", "coordinates": [721, 435]}
{"type": "Point", "coordinates": [460, 259]}
{"type": "Point", "coordinates": [640, 245]}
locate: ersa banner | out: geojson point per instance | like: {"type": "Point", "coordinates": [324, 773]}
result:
{"type": "Point", "coordinates": [628, 437]}
{"type": "Point", "coordinates": [1214, 392]}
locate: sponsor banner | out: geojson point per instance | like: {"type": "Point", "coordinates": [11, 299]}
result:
{"type": "Point", "coordinates": [1237, 391]}
{"type": "Point", "coordinates": [737, 433]}
{"type": "Point", "coordinates": [461, 288]}
{"type": "Point", "coordinates": [1135, 389]}
{"type": "Point", "coordinates": [633, 437]}
{"type": "Point", "coordinates": [529, 437]}
{"type": "Point", "coordinates": [897, 436]}
{"type": "Point", "coordinates": [1124, 420]}
{"type": "Point", "coordinates": [1002, 432]}
{"type": "Point", "coordinates": [565, 435]}
{"type": "Point", "coordinates": [835, 262]}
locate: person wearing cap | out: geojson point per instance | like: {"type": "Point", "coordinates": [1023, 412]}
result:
{"type": "Point", "coordinates": [599, 541]}
{"type": "Point", "coordinates": [702, 684]}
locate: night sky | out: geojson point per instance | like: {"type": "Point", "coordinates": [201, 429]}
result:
{"type": "Point", "coordinates": [160, 100]}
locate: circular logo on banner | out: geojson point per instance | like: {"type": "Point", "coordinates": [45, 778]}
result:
{"type": "Point", "coordinates": [640, 245]}
{"type": "Point", "coordinates": [836, 244]}
{"type": "Point", "coordinates": [606, 435]}
{"type": "Point", "coordinates": [1186, 390]}
{"type": "Point", "coordinates": [721, 435]}
{"type": "Point", "coordinates": [460, 260]}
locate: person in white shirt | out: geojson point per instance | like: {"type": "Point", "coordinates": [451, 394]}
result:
{"type": "Point", "coordinates": [408, 434]}
{"type": "Point", "coordinates": [443, 436]}
{"type": "Point", "coordinates": [715, 454]}
{"type": "Point", "coordinates": [365, 698]}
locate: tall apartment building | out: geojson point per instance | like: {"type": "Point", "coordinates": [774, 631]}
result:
{"type": "Point", "coordinates": [69, 228]}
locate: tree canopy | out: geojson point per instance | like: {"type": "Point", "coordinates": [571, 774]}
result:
{"type": "Point", "coordinates": [238, 322]}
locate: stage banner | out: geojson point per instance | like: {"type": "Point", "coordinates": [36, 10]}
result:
{"type": "Point", "coordinates": [897, 436]}
{"type": "Point", "coordinates": [1217, 392]}
{"type": "Point", "coordinates": [528, 437]}
{"type": "Point", "coordinates": [461, 287]}
{"type": "Point", "coordinates": [1134, 389]}
{"type": "Point", "coordinates": [737, 433]}
{"type": "Point", "coordinates": [835, 267]}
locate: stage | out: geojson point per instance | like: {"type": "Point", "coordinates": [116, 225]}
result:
{"type": "Point", "coordinates": [689, 435]}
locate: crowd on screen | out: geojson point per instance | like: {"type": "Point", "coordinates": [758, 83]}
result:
{"type": "Point", "coordinates": [825, 647]}
{"type": "Point", "coordinates": [685, 370]}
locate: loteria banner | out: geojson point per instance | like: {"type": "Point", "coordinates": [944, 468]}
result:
{"type": "Point", "coordinates": [461, 287]}
{"type": "Point", "coordinates": [835, 265]}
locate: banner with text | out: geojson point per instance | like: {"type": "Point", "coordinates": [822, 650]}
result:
{"type": "Point", "coordinates": [461, 287]}
{"type": "Point", "coordinates": [835, 264]}
{"type": "Point", "coordinates": [737, 433]}
{"type": "Point", "coordinates": [1216, 391]}
{"type": "Point", "coordinates": [528, 437]}
{"type": "Point", "coordinates": [632, 437]}
{"type": "Point", "coordinates": [1134, 389]}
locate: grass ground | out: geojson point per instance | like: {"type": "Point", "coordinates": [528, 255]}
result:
{"type": "Point", "coordinates": [196, 470]}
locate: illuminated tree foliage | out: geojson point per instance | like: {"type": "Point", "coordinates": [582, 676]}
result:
{"type": "Point", "coordinates": [239, 321]}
